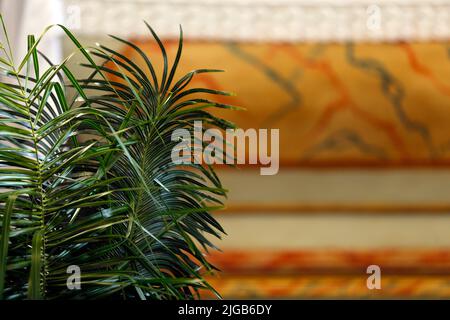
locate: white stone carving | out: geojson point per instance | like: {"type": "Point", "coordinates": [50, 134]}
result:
{"type": "Point", "coordinates": [268, 20]}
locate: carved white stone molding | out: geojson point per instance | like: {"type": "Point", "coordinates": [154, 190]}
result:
{"type": "Point", "coordinates": [266, 20]}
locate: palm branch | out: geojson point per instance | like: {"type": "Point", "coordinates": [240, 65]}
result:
{"type": "Point", "coordinates": [93, 185]}
{"type": "Point", "coordinates": [171, 209]}
{"type": "Point", "coordinates": [53, 187]}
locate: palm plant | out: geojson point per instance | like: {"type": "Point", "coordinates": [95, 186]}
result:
{"type": "Point", "coordinates": [92, 183]}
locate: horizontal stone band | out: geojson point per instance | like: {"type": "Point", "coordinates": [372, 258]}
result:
{"type": "Point", "coordinates": [264, 20]}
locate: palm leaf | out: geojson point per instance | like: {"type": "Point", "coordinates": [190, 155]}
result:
{"type": "Point", "coordinates": [93, 185]}
{"type": "Point", "coordinates": [53, 187]}
{"type": "Point", "coordinates": [171, 211]}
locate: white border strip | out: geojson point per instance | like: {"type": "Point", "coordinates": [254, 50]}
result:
{"type": "Point", "coordinates": [264, 20]}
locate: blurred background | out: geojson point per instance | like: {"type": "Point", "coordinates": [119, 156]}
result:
{"type": "Point", "coordinates": [360, 91]}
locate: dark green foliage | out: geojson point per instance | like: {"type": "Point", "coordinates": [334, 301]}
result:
{"type": "Point", "coordinates": [92, 184]}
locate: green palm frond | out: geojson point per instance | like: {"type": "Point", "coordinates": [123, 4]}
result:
{"type": "Point", "coordinates": [171, 210]}
{"type": "Point", "coordinates": [94, 186]}
{"type": "Point", "coordinates": [55, 206]}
